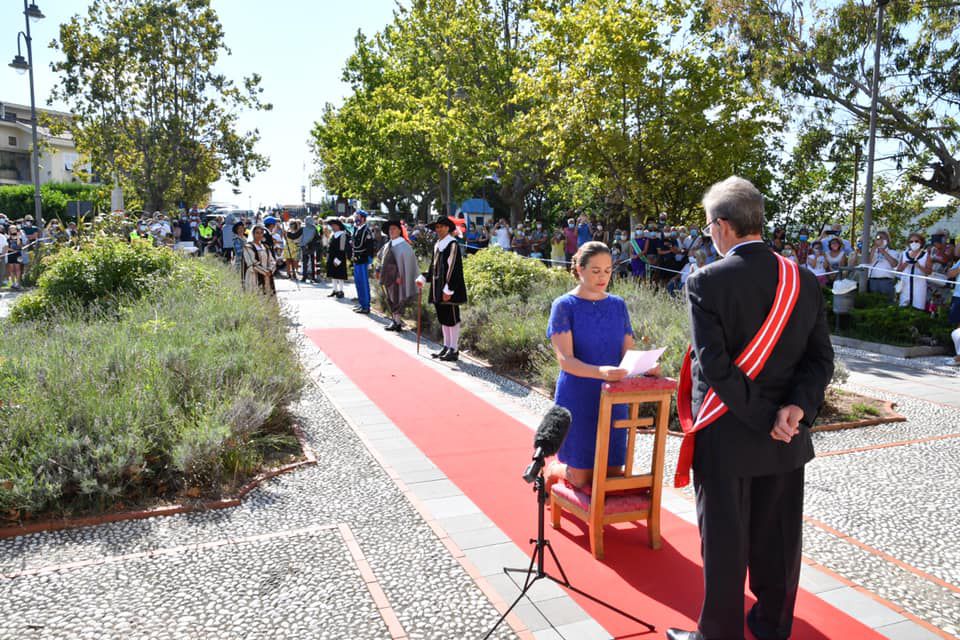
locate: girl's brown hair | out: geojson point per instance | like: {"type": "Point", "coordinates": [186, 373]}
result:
{"type": "Point", "coordinates": [582, 257]}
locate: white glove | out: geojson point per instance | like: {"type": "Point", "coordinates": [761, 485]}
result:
{"type": "Point", "coordinates": [336, 262]}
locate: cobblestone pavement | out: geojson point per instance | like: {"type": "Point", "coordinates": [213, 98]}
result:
{"type": "Point", "coordinates": [293, 583]}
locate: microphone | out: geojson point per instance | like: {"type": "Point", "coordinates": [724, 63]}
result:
{"type": "Point", "coordinates": [550, 434]}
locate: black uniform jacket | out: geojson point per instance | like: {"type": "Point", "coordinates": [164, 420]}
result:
{"type": "Point", "coordinates": [728, 301]}
{"type": "Point", "coordinates": [446, 269]}
{"type": "Point", "coordinates": [363, 249]}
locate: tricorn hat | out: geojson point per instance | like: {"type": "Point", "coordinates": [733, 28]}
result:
{"type": "Point", "coordinates": [336, 221]}
{"type": "Point", "coordinates": [445, 221]}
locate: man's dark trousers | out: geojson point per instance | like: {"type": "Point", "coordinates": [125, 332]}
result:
{"type": "Point", "coordinates": [309, 257]}
{"type": "Point", "coordinates": [755, 520]}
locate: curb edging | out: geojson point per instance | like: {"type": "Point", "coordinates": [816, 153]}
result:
{"type": "Point", "coordinates": [42, 526]}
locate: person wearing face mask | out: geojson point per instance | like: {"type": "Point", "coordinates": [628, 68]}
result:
{"type": "Point", "coordinates": [361, 257]}
{"type": "Point", "coordinates": [598, 234]}
{"type": "Point", "coordinates": [570, 235]}
{"type": "Point", "coordinates": [501, 234]}
{"type": "Point", "coordinates": [520, 243]}
{"type": "Point", "coordinates": [539, 241]}
{"type": "Point", "coordinates": [915, 261]}
{"type": "Point", "coordinates": [750, 389]}
{"type": "Point", "coordinates": [789, 253]}
{"type": "Point", "coordinates": [941, 254]}
{"type": "Point", "coordinates": [881, 276]}
{"type": "Point", "coordinates": [557, 246]}
{"type": "Point", "coordinates": [637, 253]}
{"type": "Point", "coordinates": [584, 232]}
{"type": "Point", "coordinates": [834, 232]}
{"type": "Point", "coordinates": [817, 263]}
{"type": "Point", "coordinates": [953, 317]}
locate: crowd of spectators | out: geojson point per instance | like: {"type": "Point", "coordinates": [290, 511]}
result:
{"type": "Point", "coordinates": [665, 255]}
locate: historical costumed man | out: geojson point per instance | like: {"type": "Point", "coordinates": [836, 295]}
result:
{"type": "Point", "coordinates": [337, 256]}
{"type": "Point", "coordinates": [363, 252]}
{"type": "Point", "coordinates": [750, 389]}
{"type": "Point", "coordinates": [258, 263]}
{"type": "Point", "coordinates": [447, 288]}
{"type": "Point", "coordinates": [398, 273]}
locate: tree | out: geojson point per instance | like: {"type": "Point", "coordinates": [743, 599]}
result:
{"type": "Point", "coordinates": [149, 108]}
{"type": "Point", "coordinates": [632, 92]}
{"type": "Point", "coordinates": [826, 54]}
{"type": "Point", "coordinates": [433, 93]}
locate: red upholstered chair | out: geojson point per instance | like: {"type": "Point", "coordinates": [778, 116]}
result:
{"type": "Point", "coordinates": [635, 495]}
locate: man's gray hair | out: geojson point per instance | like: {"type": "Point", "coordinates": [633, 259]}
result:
{"type": "Point", "coordinates": [738, 202]}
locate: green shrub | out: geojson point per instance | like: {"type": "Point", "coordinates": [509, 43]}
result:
{"type": "Point", "coordinates": [900, 326]}
{"type": "Point", "coordinates": [17, 200]}
{"type": "Point", "coordinates": [103, 273]}
{"type": "Point", "coordinates": [493, 272]}
{"type": "Point", "coordinates": [176, 389]}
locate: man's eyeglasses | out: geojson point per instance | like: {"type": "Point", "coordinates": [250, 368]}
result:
{"type": "Point", "coordinates": [706, 228]}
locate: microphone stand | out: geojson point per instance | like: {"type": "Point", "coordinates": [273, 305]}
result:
{"type": "Point", "coordinates": [539, 573]}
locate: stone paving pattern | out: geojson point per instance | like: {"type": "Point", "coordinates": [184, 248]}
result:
{"type": "Point", "coordinates": [431, 593]}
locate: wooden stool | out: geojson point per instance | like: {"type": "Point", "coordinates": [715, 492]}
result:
{"type": "Point", "coordinates": [633, 496]}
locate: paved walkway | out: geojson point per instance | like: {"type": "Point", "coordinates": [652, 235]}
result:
{"type": "Point", "coordinates": [375, 543]}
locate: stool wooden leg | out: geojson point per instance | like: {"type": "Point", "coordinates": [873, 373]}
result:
{"type": "Point", "coordinates": [555, 513]}
{"type": "Point", "coordinates": [596, 539]}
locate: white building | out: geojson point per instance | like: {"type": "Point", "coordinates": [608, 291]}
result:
{"type": "Point", "coordinates": [58, 154]}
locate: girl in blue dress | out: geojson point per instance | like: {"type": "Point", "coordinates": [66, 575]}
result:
{"type": "Point", "coordinates": [590, 331]}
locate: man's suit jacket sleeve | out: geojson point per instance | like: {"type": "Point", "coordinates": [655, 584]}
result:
{"type": "Point", "coordinates": [816, 369]}
{"type": "Point", "coordinates": [740, 393]}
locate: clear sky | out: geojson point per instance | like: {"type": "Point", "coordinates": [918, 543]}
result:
{"type": "Point", "coordinates": [297, 46]}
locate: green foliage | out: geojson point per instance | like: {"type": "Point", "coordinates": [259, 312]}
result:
{"type": "Point", "coordinates": [493, 272]}
{"type": "Point", "coordinates": [149, 106]}
{"type": "Point", "coordinates": [875, 319]}
{"type": "Point", "coordinates": [900, 326]}
{"type": "Point", "coordinates": [823, 52]}
{"type": "Point", "coordinates": [17, 200]}
{"type": "Point", "coordinates": [104, 273]}
{"type": "Point", "coordinates": [186, 387]}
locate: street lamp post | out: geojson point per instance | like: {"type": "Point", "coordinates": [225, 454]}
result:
{"type": "Point", "coordinates": [31, 13]}
{"type": "Point", "coordinates": [871, 151]}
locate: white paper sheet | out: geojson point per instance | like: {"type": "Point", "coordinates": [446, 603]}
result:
{"type": "Point", "coordinates": [638, 362]}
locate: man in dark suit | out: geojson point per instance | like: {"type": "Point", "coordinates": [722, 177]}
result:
{"type": "Point", "coordinates": [748, 464]}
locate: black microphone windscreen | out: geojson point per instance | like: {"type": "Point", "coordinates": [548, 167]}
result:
{"type": "Point", "coordinates": [552, 430]}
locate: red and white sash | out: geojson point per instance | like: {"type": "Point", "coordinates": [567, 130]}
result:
{"type": "Point", "coordinates": [751, 362]}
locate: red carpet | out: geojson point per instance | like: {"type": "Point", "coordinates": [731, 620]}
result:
{"type": "Point", "coordinates": [484, 451]}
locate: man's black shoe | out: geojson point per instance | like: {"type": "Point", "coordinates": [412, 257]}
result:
{"type": "Point", "coordinates": [440, 354]}
{"type": "Point", "coordinates": [332, 294]}
{"type": "Point", "coordinates": [339, 294]}
{"type": "Point", "coordinates": [680, 634]}
{"type": "Point", "coordinates": [451, 356]}
{"type": "Point", "coordinates": [761, 629]}
{"type": "Point", "coordinates": [393, 326]}
{"type": "Point", "coordinates": [361, 310]}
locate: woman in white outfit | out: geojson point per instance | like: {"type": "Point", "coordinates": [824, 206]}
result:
{"type": "Point", "coordinates": [914, 262]}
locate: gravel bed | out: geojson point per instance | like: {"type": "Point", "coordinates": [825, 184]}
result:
{"type": "Point", "coordinates": [430, 592]}
{"type": "Point", "coordinates": [305, 586]}
{"type": "Point", "coordinates": [927, 364]}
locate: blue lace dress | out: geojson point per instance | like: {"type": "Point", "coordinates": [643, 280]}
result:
{"type": "Point", "coordinates": [598, 330]}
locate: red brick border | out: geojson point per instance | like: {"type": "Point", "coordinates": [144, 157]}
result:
{"type": "Point", "coordinates": [88, 521]}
